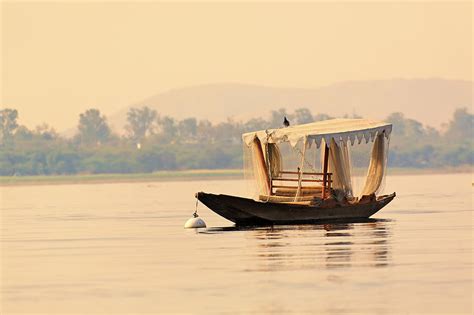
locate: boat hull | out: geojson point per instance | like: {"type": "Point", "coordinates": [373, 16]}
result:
{"type": "Point", "coordinates": [244, 211]}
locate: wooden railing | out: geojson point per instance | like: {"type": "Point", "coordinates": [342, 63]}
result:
{"type": "Point", "coordinates": [300, 178]}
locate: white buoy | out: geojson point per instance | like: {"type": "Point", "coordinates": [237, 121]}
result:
{"type": "Point", "coordinates": [195, 222]}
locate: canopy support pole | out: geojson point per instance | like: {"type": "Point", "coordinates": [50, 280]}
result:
{"type": "Point", "coordinates": [325, 170]}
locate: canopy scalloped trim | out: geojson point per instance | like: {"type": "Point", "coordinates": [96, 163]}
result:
{"type": "Point", "coordinates": [338, 129]}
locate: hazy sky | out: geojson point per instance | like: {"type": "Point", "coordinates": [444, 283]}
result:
{"type": "Point", "coordinates": [59, 59]}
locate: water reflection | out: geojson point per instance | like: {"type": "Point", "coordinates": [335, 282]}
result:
{"type": "Point", "coordinates": [341, 245]}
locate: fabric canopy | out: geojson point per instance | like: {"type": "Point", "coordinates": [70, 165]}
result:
{"type": "Point", "coordinates": [336, 129]}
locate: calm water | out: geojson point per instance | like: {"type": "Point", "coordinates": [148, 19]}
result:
{"type": "Point", "coordinates": [121, 248]}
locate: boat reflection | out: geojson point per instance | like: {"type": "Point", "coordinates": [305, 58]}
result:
{"type": "Point", "coordinates": [329, 245]}
{"type": "Point", "coordinates": [339, 245]}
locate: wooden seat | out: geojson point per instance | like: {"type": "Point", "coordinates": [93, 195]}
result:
{"type": "Point", "coordinates": [285, 199]}
{"type": "Point", "coordinates": [304, 191]}
{"type": "Point", "coordinates": [285, 184]}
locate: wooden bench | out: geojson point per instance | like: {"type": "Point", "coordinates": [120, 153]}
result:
{"type": "Point", "coordinates": [287, 182]}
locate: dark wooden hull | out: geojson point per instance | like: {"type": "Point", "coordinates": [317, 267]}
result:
{"type": "Point", "coordinates": [244, 211]}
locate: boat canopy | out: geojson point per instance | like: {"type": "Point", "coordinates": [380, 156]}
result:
{"type": "Point", "coordinates": [286, 167]}
{"type": "Point", "coordinates": [337, 129]}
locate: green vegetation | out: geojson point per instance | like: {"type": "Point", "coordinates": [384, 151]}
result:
{"type": "Point", "coordinates": [106, 178]}
{"type": "Point", "coordinates": [153, 143]}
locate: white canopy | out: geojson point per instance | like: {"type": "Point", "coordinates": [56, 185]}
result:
{"type": "Point", "coordinates": [337, 129]}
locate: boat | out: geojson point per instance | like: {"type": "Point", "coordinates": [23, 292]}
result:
{"type": "Point", "coordinates": [302, 174]}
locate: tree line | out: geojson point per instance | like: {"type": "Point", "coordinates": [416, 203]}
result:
{"type": "Point", "coordinates": [153, 142]}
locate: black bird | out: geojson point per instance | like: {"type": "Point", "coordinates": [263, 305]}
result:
{"type": "Point", "coordinates": [286, 123]}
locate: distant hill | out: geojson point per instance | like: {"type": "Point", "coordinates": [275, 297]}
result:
{"type": "Point", "coordinates": [430, 101]}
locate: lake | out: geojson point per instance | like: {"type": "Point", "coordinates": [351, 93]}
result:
{"type": "Point", "coordinates": [122, 248]}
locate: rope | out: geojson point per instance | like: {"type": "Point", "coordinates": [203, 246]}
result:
{"type": "Point", "coordinates": [195, 214]}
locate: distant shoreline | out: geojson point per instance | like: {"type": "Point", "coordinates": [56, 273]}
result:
{"type": "Point", "coordinates": [121, 178]}
{"type": "Point", "coordinates": [186, 175]}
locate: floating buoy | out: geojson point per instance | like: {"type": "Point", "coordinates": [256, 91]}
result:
{"type": "Point", "coordinates": [195, 222]}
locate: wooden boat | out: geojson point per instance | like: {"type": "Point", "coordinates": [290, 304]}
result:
{"type": "Point", "coordinates": [245, 211]}
{"type": "Point", "coordinates": [301, 196]}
